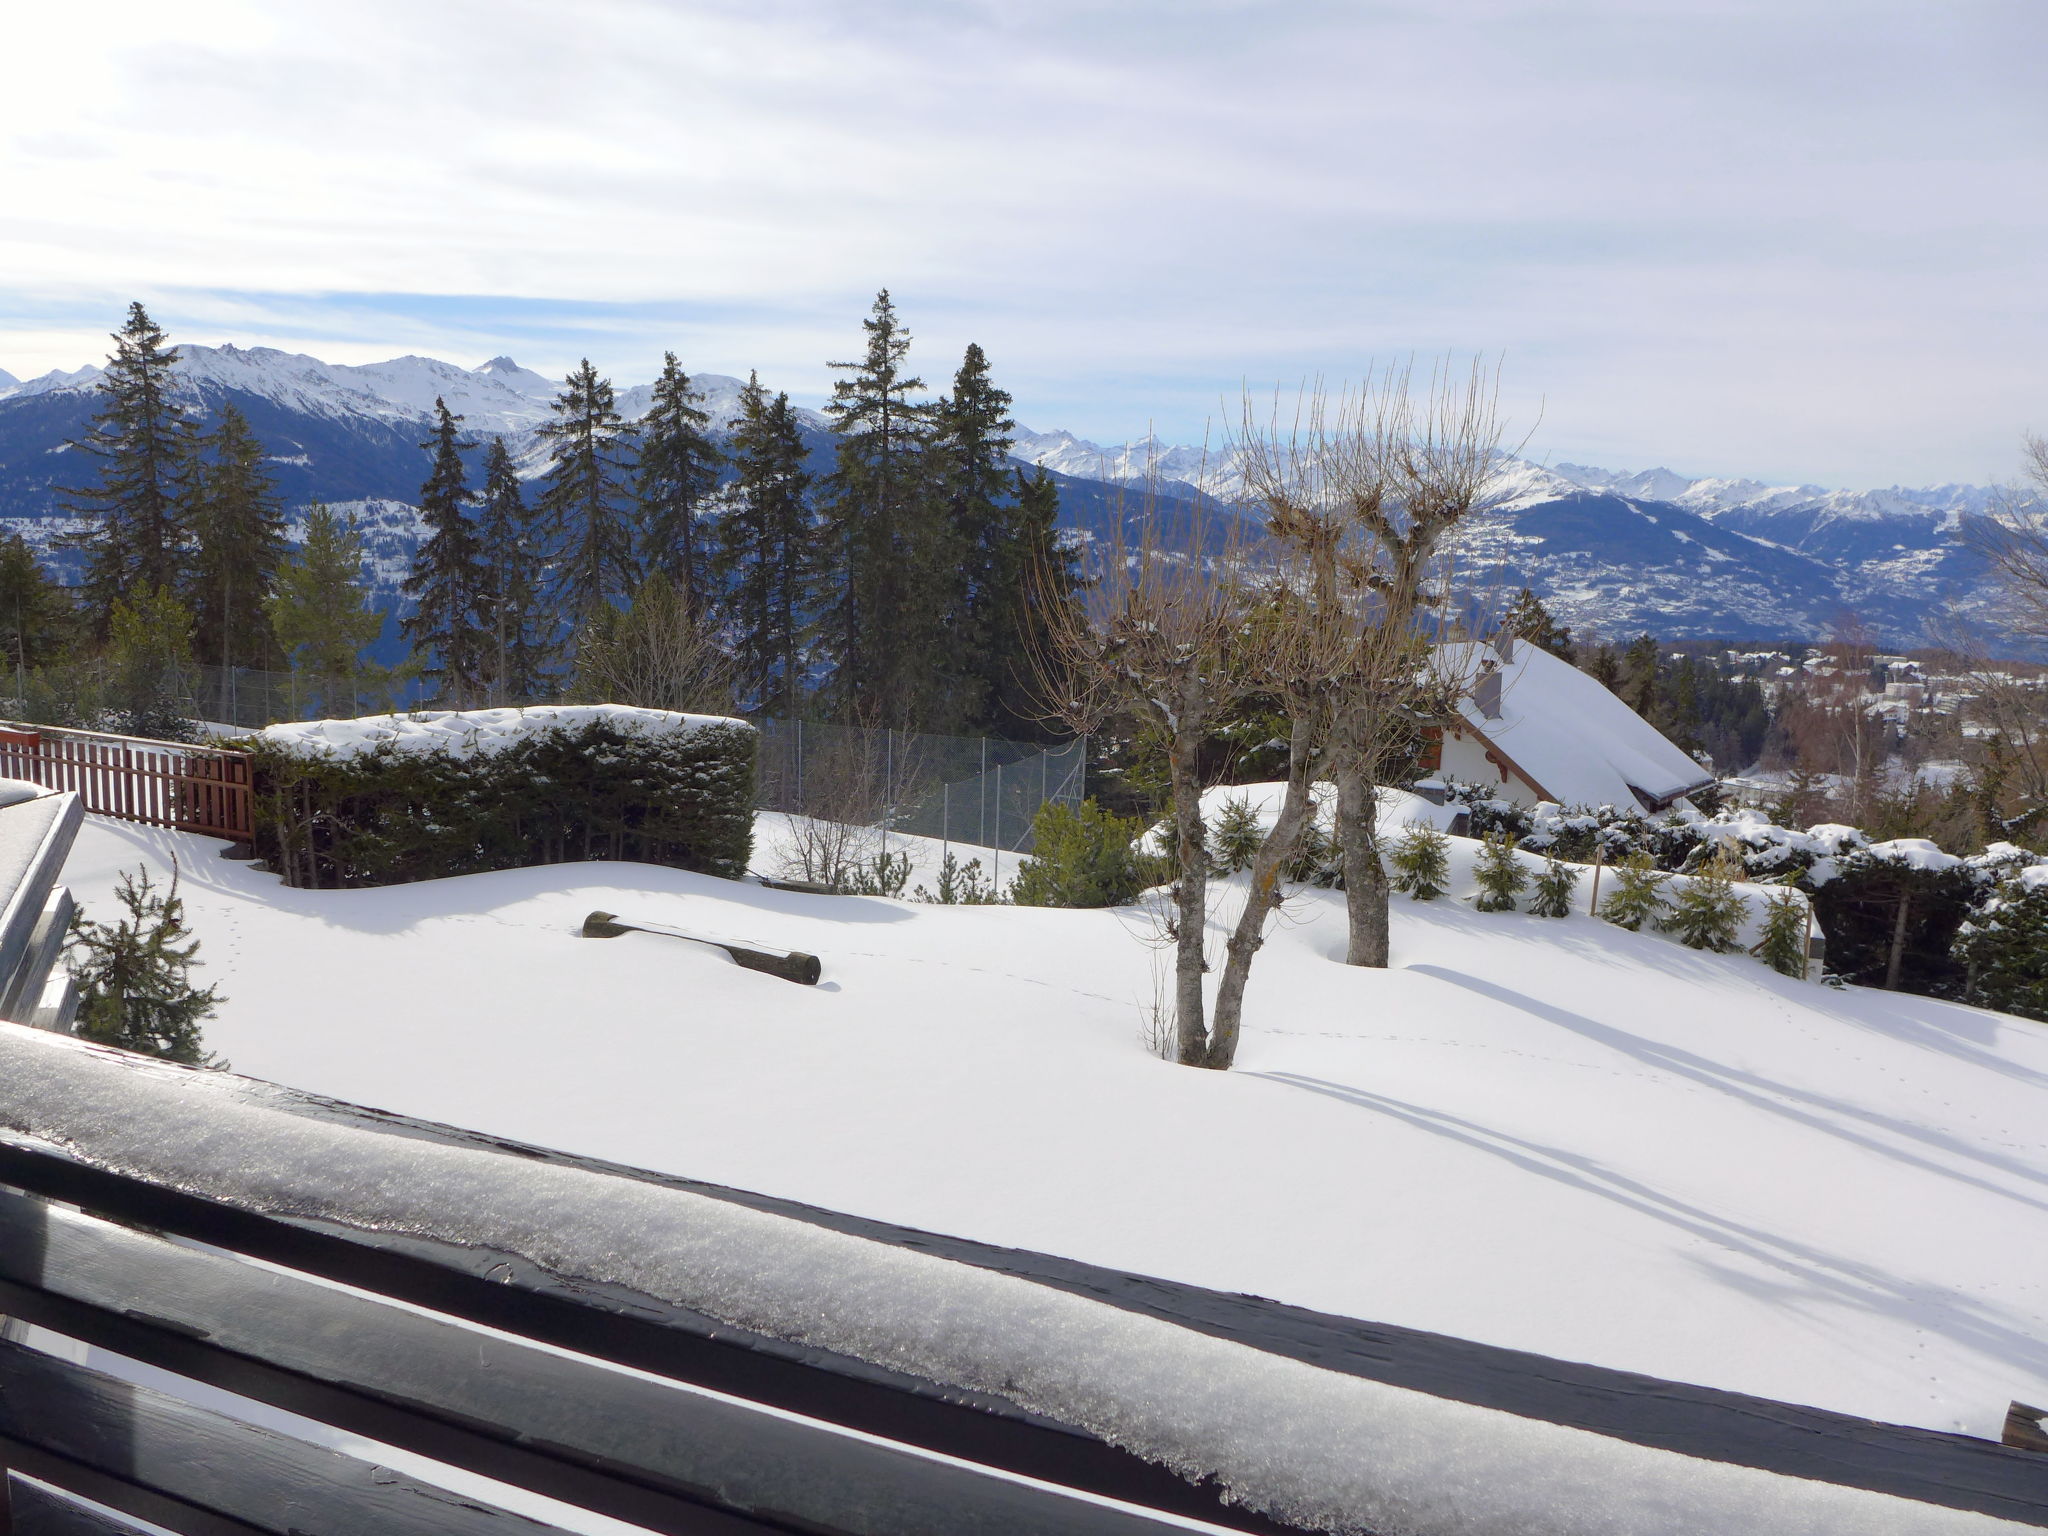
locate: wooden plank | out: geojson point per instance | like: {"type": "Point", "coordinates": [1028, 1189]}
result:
{"type": "Point", "coordinates": [219, 1464]}
{"type": "Point", "coordinates": [638, 1450]}
{"type": "Point", "coordinates": [37, 1510]}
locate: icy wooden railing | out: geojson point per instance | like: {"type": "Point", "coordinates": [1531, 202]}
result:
{"type": "Point", "coordinates": [790, 1368]}
{"type": "Point", "coordinates": [158, 783]}
{"type": "Point", "coordinates": [35, 911]}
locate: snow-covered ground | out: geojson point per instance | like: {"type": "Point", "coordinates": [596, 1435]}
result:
{"type": "Point", "coordinates": [1552, 1135]}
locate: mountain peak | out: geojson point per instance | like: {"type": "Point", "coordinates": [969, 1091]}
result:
{"type": "Point", "coordinates": [499, 364]}
{"type": "Point", "coordinates": [7, 380]}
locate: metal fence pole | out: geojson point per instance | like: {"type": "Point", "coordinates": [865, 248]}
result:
{"type": "Point", "coordinates": [999, 823]}
{"type": "Point", "coordinates": [981, 791]}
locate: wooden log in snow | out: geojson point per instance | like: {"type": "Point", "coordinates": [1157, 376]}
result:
{"type": "Point", "coordinates": [789, 964]}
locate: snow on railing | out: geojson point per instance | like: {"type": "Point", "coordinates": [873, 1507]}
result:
{"type": "Point", "coordinates": [1048, 1368]}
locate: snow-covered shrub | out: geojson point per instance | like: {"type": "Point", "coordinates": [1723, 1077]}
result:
{"type": "Point", "coordinates": [1235, 838]}
{"type": "Point", "coordinates": [1891, 913]}
{"type": "Point", "coordinates": [1638, 894]}
{"type": "Point", "coordinates": [1783, 944]}
{"type": "Point", "coordinates": [1083, 856]}
{"type": "Point", "coordinates": [1421, 857]}
{"type": "Point", "coordinates": [399, 798]}
{"type": "Point", "coordinates": [1708, 911]}
{"type": "Point", "coordinates": [1500, 875]}
{"type": "Point", "coordinates": [2004, 947]}
{"type": "Point", "coordinates": [1556, 887]}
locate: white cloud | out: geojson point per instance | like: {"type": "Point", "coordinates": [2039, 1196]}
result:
{"type": "Point", "coordinates": [1798, 237]}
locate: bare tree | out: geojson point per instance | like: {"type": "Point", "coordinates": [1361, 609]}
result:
{"type": "Point", "coordinates": [2014, 537]}
{"type": "Point", "coordinates": [659, 654]}
{"type": "Point", "coordinates": [1159, 638]}
{"type": "Point", "coordinates": [1369, 488]}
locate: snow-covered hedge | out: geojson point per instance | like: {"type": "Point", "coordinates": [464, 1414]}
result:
{"type": "Point", "coordinates": [394, 798]}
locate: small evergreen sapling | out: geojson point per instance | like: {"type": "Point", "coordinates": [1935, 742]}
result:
{"type": "Point", "coordinates": [1783, 945]}
{"type": "Point", "coordinates": [1500, 875]}
{"type": "Point", "coordinates": [2005, 948]}
{"type": "Point", "coordinates": [1709, 911]}
{"type": "Point", "coordinates": [1555, 889]}
{"type": "Point", "coordinates": [1638, 894]}
{"type": "Point", "coordinates": [1235, 839]}
{"type": "Point", "coordinates": [135, 975]}
{"type": "Point", "coordinates": [1422, 862]}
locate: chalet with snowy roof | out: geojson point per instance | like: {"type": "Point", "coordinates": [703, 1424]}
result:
{"type": "Point", "coordinates": [1540, 729]}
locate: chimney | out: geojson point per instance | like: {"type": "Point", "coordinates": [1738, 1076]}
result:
{"type": "Point", "coordinates": [1504, 645]}
{"type": "Point", "coordinates": [1486, 693]}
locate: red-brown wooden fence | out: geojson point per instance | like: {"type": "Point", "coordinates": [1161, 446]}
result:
{"type": "Point", "coordinates": [160, 783]}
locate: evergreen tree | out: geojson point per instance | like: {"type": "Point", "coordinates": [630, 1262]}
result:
{"type": "Point", "coordinates": [238, 527]}
{"type": "Point", "coordinates": [1555, 888]}
{"type": "Point", "coordinates": [149, 665]}
{"type": "Point", "coordinates": [1082, 856]}
{"type": "Point", "coordinates": [1639, 680]}
{"type": "Point", "coordinates": [518, 632]}
{"type": "Point", "coordinates": [979, 558]}
{"type": "Point", "coordinates": [1709, 910]}
{"type": "Point", "coordinates": [877, 630]}
{"type": "Point", "coordinates": [766, 554]}
{"type": "Point", "coordinates": [1237, 837]}
{"type": "Point", "coordinates": [321, 616]}
{"type": "Point", "coordinates": [1421, 857]}
{"type": "Point", "coordinates": [678, 471]}
{"type": "Point", "coordinates": [583, 507]}
{"type": "Point", "coordinates": [136, 540]}
{"type": "Point", "coordinates": [447, 584]}
{"type": "Point", "coordinates": [1604, 667]}
{"type": "Point", "coordinates": [1045, 588]}
{"type": "Point", "coordinates": [1529, 620]}
{"type": "Point", "coordinates": [1783, 944]}
{"type": "Point", "coordinates": [1500, 875]}
{"type": "Point", "coordinates": [134, 975]}
{"type": "Point", "coordinates": [35, 612]}
{"type": "Point", "coordinates": [2004, 949]}
{"type": "Point", "coordinates": [1638, 894]}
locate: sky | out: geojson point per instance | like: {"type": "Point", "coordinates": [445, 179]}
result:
{"type": "Point", "coordinates": [1792, 239]}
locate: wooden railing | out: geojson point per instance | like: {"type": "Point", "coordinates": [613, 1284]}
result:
{"type": "Point", "coordinates": [158, 783]}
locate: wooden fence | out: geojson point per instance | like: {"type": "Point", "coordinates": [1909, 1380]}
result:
{"type": "Point", "coordinates": [158, 783]}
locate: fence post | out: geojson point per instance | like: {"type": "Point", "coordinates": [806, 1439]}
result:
{"type": "Point", "coordinates": [981, 791]}
{"type": "Point", "coordinates": [999, 819]}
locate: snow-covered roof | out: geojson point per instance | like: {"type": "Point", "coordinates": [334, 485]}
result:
{"type": "Point", "coordinates": [472, 730]}
{"type": "Point", "coordinates": [1577, 742]}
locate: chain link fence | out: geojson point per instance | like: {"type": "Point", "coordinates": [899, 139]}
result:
{"type": "Point", "coordinates": [978, 790]}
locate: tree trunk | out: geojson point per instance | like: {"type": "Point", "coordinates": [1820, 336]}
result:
{"type": "Point", "coordinates": [1366, 887]}
{"type": "Point", "coordinates": [1898, 955]}
{"type": "Point", "coordinates": [1191, 895]}
{"type": "Point", "coordinates": [1261, 896]}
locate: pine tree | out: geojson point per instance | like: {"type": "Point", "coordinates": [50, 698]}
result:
{"type": "Point", "coordinates": [1709, 910]}
{"type": "Point", "coordinates": [238, 528]}
{"type": "Point", "coordinates": [1604, 667]}
{"type": "Point", "coordinates": [1638, 894]}
{"type": "Point", "coordinates": [1421, 857]}
{"type": "Point", "coordinates": [875, 631]}
{"type": "Point", "coordinates": [447, 584]}
{"type": "Point", "coordinates": [137, 536]}
{"type": "Point", "coordinates": [518, 633]}
{"type": "Point", "coordinates": [1236, 838]}
{"type": "Point", "coordinates": [2004, 950]}
{"type": "Point", "coordinates": [321, 616]}
{"type": "Point", "coordinates": [678, 471]}
{"type": "Point", "coordinates": [1037, 601]}
{"type": "Point", "coordinates": [1529, 620]}
{"type": "Point", "coordinates": [765, 555]}
{"type": "Point", "coordinates": [1500, 875]}
{"type": "Point", "coordinates": [981, 548]}
{"type": "Point", "coordinates": [149, 664]}
{"type": "Point", "coordinates": [583, 507]}
{"type": "Point", "coordinates": [1783, 944]}
{"type": "Point", "coordinates": [1556, 887]}
{"type": "Point", "coordinates": [35, 612]}
{"type": "Point", "coordinates": [1639, 676]}
{"type": "Point", "coordinates": [134, 975]}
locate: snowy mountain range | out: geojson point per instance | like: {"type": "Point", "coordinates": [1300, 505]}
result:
{"type": "Point", "coordinates": [1615, 552]}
